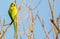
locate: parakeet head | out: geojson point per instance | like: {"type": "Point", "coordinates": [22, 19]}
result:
{"type": "Point", "coordinates": [13, 4]}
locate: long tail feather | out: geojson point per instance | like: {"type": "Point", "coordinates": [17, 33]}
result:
{"type": "Point", "coordinates": [16, 29]}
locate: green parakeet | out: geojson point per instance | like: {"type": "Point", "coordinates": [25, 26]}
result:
{"type": "Point", "coordinates": [13, 15]}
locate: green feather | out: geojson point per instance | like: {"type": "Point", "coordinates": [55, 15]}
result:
{"type": "Point", "coordinates": [13, 15]}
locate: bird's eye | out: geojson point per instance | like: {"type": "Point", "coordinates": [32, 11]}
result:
{"type": "Point", "coordinates": [14, 4]}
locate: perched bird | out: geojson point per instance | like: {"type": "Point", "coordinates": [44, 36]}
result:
{"type": "Point", "coordinates": [13, 15]}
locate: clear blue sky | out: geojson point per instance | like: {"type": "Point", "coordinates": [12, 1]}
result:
{"type": "Point", "coordinates": [44, 13]}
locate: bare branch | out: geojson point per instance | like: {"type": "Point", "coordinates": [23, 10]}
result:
{"type": "Point", "coordinates": [52, 10]}
{"type": "Point", "coordinates": [42, 22]}
{"type": "Point", "coordinates": [20, 7]}
{"type": "Point", "coordinates": [6, 30]}
{"type": "Point", "coordinates": [36, 5]}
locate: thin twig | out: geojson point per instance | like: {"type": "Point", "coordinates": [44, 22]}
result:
{"type": "Point", "coordinates": [36, 5]}
{"type": "Point", "coordinates": [6, 30]}
{"type": "Point", "coordinates": [42, 22]}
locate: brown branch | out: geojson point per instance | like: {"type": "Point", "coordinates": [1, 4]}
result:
{"type": "Point", "coordinates": [52, 20]}
{"type": "Point", "coordinates": [45, 30]}
{"type": "Point", "coordinates": [36, 5]}
{"type": "Point", "coordinates": [30, 36]}
{"type": "Point", "coordinates": [52, 10]}
{"type": "Point", "coordinates": [55, 24]}
{"type": "Point", "coordinates": [3, 28]}
{"type": "Point", "coordinates": [42, 23]}
{"type": "Point", "coordinates": [56, 32]}
{"type": "Point", "coordinates": [57, 36]}
{"type": "Point", "coordinates": [6, 30]}
{"type": "Point", "coordinates": [50, 30]}
{"type": "Point", "coordinates": [20, 7]}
